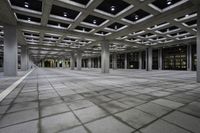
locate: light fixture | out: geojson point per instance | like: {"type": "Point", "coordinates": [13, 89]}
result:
{"type": "Point", "coordinates": [186, 15]}
{"type": "Point", "coordinates": [136, 17]}
{"type": "Point", "coordinates": [58, 24]}
{"type": "Point", "coordinates": [94, 21]}
{"type": "Point", "coordinates": [29, 19]}
{"type": "Point", "coordinates": [112, 8]}
{"type": "Point", "coordinates": [26, 4]}
{"type": "Point", "coordinates": [115, 27]}
{"type": "Point", "coordinates": [65, 14]}
{"type": "Point", "coordinates": [169, 2]}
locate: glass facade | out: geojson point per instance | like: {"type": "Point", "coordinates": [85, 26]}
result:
{"type": "Point", "coordinates": [47, 64]}
{"type": "Point", "coordinates": [111, 60]}
{"type": "Point", "coordinates": [133, 60]}
{"type": "Point", "coordinates": [1, 61]}
{"type": "Point", "coordinates": [143, 59]}
{"type": "Point", "coordinates": [155, 59]}
{"type": "Point", "coordinates": [194, 57]}
{"type": "Point", "coordinates": [84, 62]}
{"type": "Point", "coordinates": [120, 60]}
{"type": "Point", "coordinates": [175, 58]}
{"type": "Point", "coordinates": [95, 61]}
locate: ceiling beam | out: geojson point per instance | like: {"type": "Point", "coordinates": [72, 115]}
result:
{"type": "Point", "coordinates": [162, 17]}
{"type": "Point", "coordinates": [6, 13]}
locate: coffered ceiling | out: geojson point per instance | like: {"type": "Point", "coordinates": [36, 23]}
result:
{"type": "Point", "coordinates": [54, 28]}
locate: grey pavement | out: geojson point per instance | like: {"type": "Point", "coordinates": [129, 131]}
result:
{"type": "Point", "coordinates": [87, 101]}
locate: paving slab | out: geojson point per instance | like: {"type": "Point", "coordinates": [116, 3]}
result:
{"type": "Point", "coordinates": [108, 125]}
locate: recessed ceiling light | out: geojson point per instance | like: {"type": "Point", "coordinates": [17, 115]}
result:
{"type": "Point", "coordinates": [169, 2]}
{"type": "Point", "coordinates": [94, 21]}
{"type": "Point", "coordinates": [136, 17]}
{"type": "Point", "coordinates": [112, 8]}
{"type": "Point", "coordinates": [26, 4]}
{"type": "Point", "coordinates": [65, 14]}
{"type": "Point", "coordinates": [29, 19]}
{"type": "Point", "coordinates": [186, 15]}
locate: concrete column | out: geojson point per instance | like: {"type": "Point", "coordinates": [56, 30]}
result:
{"type": "Point", "coordinates": [24, 58]}
{"type": "Point", "coordinates": [89, 62]}
{"type": "Point", "coordinates": [54, 63]}
{"type": "Point", "coordinates": [149, 59]}
{"type": "Point", "coordinates": [160, 59]}
{"type": "Point", "coordinates": [99, 64]}
{"type": "Point", "coordinates": [58, 63]}
{"type": "Point", "coordinates": [189, 57]}
{"type": "Point", "coordinates": [10, 51]}
{"type": "Point", "coordinates": [92, 63]}
{"type": "Point", "coordinates": [63, 63]}
{"type": "Point", "coordinates": [140, 59]}
{"type": "Point", "coordinates": [42, 63]}
{"type": "Point", "coordinates": [72, 61]}
{"type": "Point", "coordinates": [198, 45]}
{"type": "Point", "coordinates": [125, 61]}
{"type": "Point", "coordinates": [105, 57]}
{"type": "Point", "coordinates": [30, 63]}
{"type": "Point", "coordinates": [114, 61]}
{"type": "Point", "coordinates": [79, 60]}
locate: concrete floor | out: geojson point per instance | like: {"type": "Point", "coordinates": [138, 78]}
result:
{"type": "Point", "coordinates": [6, 81]}
{"type": "Point", "coordinates": [124, 101]}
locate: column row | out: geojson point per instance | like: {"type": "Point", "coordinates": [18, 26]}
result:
{"type": "Point", "coordinates": [10, 65]}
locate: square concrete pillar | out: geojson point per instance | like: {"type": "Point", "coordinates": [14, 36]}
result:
{"type": "Point", "coordinates": [125, 61]}
{"type": "Point", "coordinates": [149, 59]}
{"type": "Point", "coordinates": [160, 59]}
{"type": "Point", "coordinates": [189, 57]}
{"type": "Point", "coordinates": [89, 62]}
{"type": "Point", "coordinates": [54, 63]}
{"type": "Point", "coordinates": [114, 61]}
{"type": "Point", "coordinates": [72, 61]}
{"type": "Point", "coordinates": [63, 63]}
{"type": "Point", "coordinates": [79, 60]}
{"type": "Point", "coordinates": [43, 63]}
{"type": "Point", "coordinates": [99, 63]}
{"type": "Point", "coordinates": [140, 59]}
{"type": "Point", "coordinates": [105, 57]}
{"type": "Point", "coordinates": [92, 63]}
{"type": "Point", "coordinates": [58, 63]}
{"type": "Point", "coordinates": [198, 45]}
{"type": "Point", "coordinates": [10, 51]}
{"type": "Point", "coordinates": [24, 58]}
{"type": "Point", "coordinates": [30, 63]}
